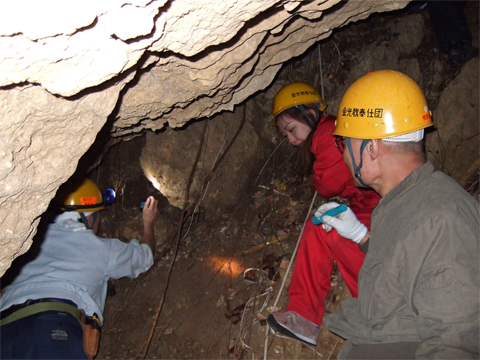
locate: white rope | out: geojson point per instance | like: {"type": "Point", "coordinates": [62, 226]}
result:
{"type": "Point", "coordinates": [266, 162]}
{"type": "Point", "coordinates": [339, 56]}
{"type": "Point", "coordinates": [262, 278]}
{"type": "Point", "coordinates": [265, 350]}
{"type": "Point", "coordinates": [267, 330]}
{"type": "Point", "coordinates": [243, 323]}
{"type": "Point", "coordinates": [321, 69]}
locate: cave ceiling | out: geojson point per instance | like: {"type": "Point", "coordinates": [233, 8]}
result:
{"type": "Point", "coordinates": [66, 68]}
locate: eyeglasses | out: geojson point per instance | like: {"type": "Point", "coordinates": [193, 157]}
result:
{"type": "Point", "coordinates": [339, 143]}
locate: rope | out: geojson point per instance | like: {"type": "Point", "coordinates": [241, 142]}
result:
{"type": "Point", "coordinates": [286, 273]}
{"type": "Point", "coordinates": [266, 162]}
{"type": "Point", "coordinates": [321, 70]}
{"type": "Point", "coordinates": [267, 293]}
{"type": "Point", "coordinates": [267, 330]}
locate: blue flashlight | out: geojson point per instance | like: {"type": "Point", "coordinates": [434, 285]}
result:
{"type": "Point", "coordinates": [332, 212]}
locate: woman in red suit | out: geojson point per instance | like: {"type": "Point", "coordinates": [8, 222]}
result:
{"type": "Point", "coordinates": [298, 112]}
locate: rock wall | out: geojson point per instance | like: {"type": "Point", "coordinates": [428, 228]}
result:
{"type": "Point", "coordinates": [406, 32]}
{"type": "Point", "coordinates": [453, 148]}
{"type": "Point", "coordinates": [225, 183]}
{"type": "Point", "coordinates": [66, 68]}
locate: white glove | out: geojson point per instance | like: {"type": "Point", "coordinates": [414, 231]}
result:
{"type": "Point", "coordinates": [323, 209]}
{"type": "Point", "coordinates": [346, 223]}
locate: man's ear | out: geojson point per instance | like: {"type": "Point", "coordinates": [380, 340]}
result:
{"type": "Point", "coordinates": [373, 149]}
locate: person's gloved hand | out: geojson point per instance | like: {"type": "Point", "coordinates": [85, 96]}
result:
{"type": "Point", "coordinates": [323, 209]}
{"type": "Point", "coordinates": [346, 223]}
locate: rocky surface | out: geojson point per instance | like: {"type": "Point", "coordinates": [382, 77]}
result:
{"type": "Point", "coordinates": [171, 175]}
{"type": "Point", "coordinates": [453, 147]}
{"type": "Point", "coordinates": [66, 68]}
{"type": "Point", "coordinates": [215, 307]}
{"type": "Point", "coordinates": [405, 43]}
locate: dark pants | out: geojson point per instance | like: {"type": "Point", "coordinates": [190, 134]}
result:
{"type": "Point", "coordinates": [46, 335]}
{"type": "Point", "coordinates": [398, 351]}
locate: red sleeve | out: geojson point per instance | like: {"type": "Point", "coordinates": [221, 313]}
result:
{"type": "Point", "coordinates": [330, 173]}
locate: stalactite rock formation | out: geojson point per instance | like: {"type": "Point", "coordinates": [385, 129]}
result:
{"type": "Point", "coordinates": [68, 67]}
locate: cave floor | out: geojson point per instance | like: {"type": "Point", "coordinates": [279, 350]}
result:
{"type": "Point", "coordinates": [225, 279]}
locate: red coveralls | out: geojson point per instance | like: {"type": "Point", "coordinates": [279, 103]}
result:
{"type": "Point", "coordinates": [314, 261]}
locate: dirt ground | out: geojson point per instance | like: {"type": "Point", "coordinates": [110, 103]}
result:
{"type": "Point", "coordinates": [209, 297]}
{"type": "Point", "coordinates": [225, 280]}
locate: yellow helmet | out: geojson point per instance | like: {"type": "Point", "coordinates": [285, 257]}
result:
{"type": "Point", "coordinates": [85, 197]}
{"type": "Point", "coordinates": [297, 93]}
{"type": "Point", "coordinates": [382, 104]}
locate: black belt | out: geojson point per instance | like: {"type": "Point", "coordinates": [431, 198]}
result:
{"type": "Point", "coordinates": [69, 307]}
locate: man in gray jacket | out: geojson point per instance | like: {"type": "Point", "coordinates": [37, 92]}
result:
{"type": "Point", "coordinates": [419, 284]}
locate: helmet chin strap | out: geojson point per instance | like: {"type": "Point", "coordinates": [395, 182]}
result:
{"type": "Point", "coordinates": [302, 109]}
{"type": "Point", "coordinates": [85, 221]}
{"type": "Point", "coordinates": [356, 168]}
